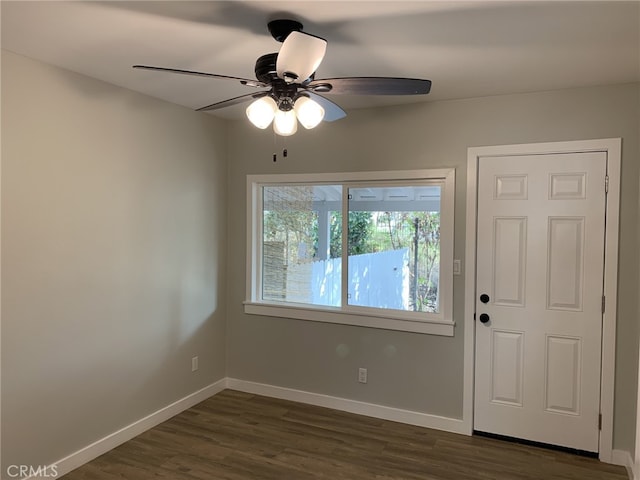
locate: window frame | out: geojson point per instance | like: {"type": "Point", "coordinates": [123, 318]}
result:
{"type": "Point", "coordinates": [440, 323]}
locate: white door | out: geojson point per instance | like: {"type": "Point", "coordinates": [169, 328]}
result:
{"type": "Point", "coordinates": [540, 257]}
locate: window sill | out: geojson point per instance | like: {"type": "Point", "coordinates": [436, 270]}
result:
{"type": "Point", "coordinates": [329, 315]}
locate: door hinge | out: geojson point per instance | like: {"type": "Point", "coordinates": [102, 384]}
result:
{"type": "Point", "coordinates": [606, 184]}
{"type": "Point", "coordinates": [599, 421]}
{"type": "Point", "coordinates": [604, 301]}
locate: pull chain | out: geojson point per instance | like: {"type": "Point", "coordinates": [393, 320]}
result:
{"type": "Point", "coordinates": [275, 157]}
{"type": "Point", "coordinates": [285, 152]}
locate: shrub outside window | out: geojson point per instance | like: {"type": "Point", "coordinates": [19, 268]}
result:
{"type": "Point", "coordinates": [393, 231]}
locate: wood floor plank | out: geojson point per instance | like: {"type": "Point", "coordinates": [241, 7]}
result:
{"type": "Point", "coordinates": [239, 436]}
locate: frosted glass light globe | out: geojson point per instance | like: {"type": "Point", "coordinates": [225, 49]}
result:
{"type": "Point", "coordinates": [285, 123]}
{"type": "Point", "coordinates": [309, 113]}
{"type": "Point", "coordinates": [262, 111]}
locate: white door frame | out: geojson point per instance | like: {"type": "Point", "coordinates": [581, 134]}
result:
{"type": "Point", "coordinates": [612, 148]}
{"type": "Point", "coordinates": [635, 466]}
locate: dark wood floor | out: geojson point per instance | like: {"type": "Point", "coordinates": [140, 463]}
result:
{"type": "Point", "coordinates": [238, 436]}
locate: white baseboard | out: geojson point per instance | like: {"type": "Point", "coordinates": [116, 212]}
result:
{"type": "Point", "coordinates": [114, 439]}
{"type": "Point", "coordinates": [623, 458]}
{"type": "Point", "coordinates": [454, 425]}
{"type": "Point", "coordinates": [353, 406]}
{"type": "Point", "coordinates": [111, 441]}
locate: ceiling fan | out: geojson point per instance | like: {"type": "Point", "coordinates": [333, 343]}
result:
{"type": "Point", "coordinates": [293, 94]}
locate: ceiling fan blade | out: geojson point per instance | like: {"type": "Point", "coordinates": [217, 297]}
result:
{"type": "Point", "coordinates": [233, 101]}
{"type": "Point", "coordinates": [300, 56]}
{"type": "Point", "coordinates": [332, 111]}
{"type": "Point", "coordinates": [244, 81]}
{"type": "Point", "coordinates": [370, 86]}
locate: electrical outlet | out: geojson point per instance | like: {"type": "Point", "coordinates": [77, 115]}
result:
{"type": "Point", "coordinates": [362, 375]}
{"type": "Point", "coordinates": [194, 363]}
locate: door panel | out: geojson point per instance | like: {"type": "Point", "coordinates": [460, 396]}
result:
{"type": "Point", "coordinates": [506, 367]}
{"type": "Point", "coordinates": [510, 259]}
{"type": "Point", "coordinates": [562, 376]}
{"type": "Point", "coordinates": [565, 249]}
{"type": "Point", "coordinates": [540, 260]}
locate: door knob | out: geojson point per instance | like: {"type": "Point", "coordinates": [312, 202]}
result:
{"type": "Point", "coordinates": [484, 318]}
{"type": "Point", "coordinates": [484, 298]}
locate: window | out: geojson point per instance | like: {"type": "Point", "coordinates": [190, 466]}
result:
{"type": "Point", "coordinates": [372, 249]}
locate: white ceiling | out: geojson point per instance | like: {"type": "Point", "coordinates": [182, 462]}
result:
{"type": "Point", "coordinates": [467, 49]}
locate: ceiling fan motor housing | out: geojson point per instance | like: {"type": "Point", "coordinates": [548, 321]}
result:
{"type": "Point", "coordinates": [280, 29]}
{"type": "Point", "coordinates": [266, 68]}
{"type": "Point", "coordinates": [282, 92]}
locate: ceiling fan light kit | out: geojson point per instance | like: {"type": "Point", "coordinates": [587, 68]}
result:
{"type": "Point", "coordinates": [285, 123]}
{"type": "Point", "coordinates": [262, 111]}
{"type": "Point", "coordinates": [309, 113]}
{"type": "Point", "coordinates": [265, 110]}
{"type": "Point", "coordinates": [293, 93]}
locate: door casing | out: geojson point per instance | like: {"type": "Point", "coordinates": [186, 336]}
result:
{"type": "Point", "coordinates": [612, 148]}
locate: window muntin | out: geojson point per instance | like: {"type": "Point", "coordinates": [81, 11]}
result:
{"type": "Point", "coordinates": [297, 231]}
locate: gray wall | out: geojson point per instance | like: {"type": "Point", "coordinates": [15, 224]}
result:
{"type": "Point", "coordinates": [113, 258]}
{"type": "Point", "coordinates": [114, 270]}
{"type": "Point", "coordinates": [413, 371]}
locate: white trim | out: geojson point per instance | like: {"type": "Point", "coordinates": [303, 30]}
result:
{"type": "Point", "coordinates": [352, 406]}
{"type": "Point", "coordinates": [111, 441]}
{"type": "Point", "coordinates": [440, 323]}
{"type": "Point", "coordinates": [470, 292]}
{"type": "Point", "coordinates": [612, 146]}
{"type": "Point", "coordinates": [293, 178]}
{"type": "Point", "coordinates": [636, 455]}
{"type": "Point", "coordinates": [623, 458]}
{"type": "Point", "coordinates": [330, 315]}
